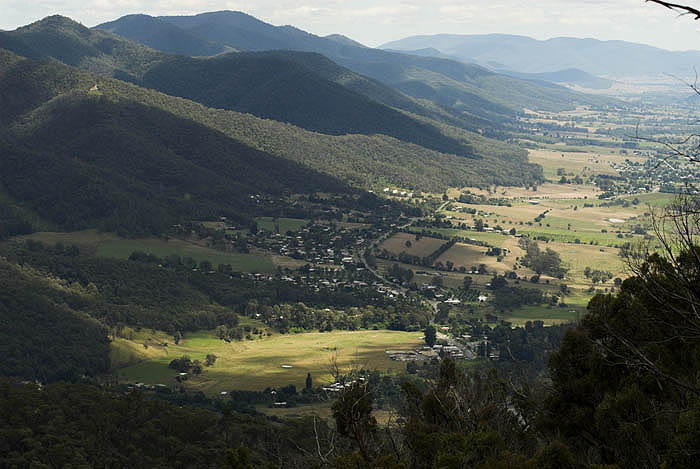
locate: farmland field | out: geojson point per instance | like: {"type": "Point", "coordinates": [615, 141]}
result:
{"type": "Point", "coordinates": [468, 256]}
{"type": "Point", "coordinates": [579, 164]}
{"type": "Point", "coordinates": [547, 190]}
{"type": "Point", "coordinates": [111, 245]}
{"type": "Point", "coordinates": [254, 262]}
{"type": "Point", "coordinates": [421, 248]}
{"type": "Point", "coordinates": [551, 315]}
{"type": "Point", "coordinates": [257, 364]}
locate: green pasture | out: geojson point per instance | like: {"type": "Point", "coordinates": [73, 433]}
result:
{"type": "Point", "coordinates": [111, 245]}
{"type": "Point", "coordinates": [257, 364]}
{"type": "Point", "coordinates": [423, 247]}
{"type": "Point", "coordinates": [254, 262]}
{"type": "Point", "coordinates": [548, 315]}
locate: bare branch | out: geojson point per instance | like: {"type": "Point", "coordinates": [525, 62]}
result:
{"type": "Point", "coordinates": [684, 9]}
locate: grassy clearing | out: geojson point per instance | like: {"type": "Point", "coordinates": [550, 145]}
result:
{"type": "Point", "coordinates": [544, 191]}
{"type": "Point", "coordinates": [421, 248]}
{"type": "Point", "coordinates": [468, 256]}
{"type": "Point", "coordinates": [282, 224]}
{"type": "Point", "coordinates": [581, 164]}
{"type": "Point", "coordinates": [321, 409]}
{"type": "Point", "coordinates": [255, 365]}
{"type": "Point", "coordinates": [578, 256]}
{"type": "Point", "coordinates": [254, 262]}
{"type": "Point", "coordinates": [566, 220]}
{"type": "Point", "coordinates": [493, 239]}
{"type": "Point", "coordinates": [553, 315]}
{"type": "Point", "coordinates": [654, 199]}
{"type": "Point", "coordinates": [88, 240]}
{"type": "Point", "coordinates": [111, 245]}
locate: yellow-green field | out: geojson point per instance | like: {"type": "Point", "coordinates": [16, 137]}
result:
{"type": "Point", "coordinates": [423, 247]}
{"type": "Point", "coordinates": [549, 315]}
{"type": "Point", "coordinates": [577, 257]}
{"type": "Point", "coordinates": [254, 262]}
{"type": "Point", "coordinates": [111, 245]}
{"type": "Point", "coordinates": [577, 163]}
{"type": "Point", "coordinates": [544, 191]}
{"type": "Point", "coordinates": [566, 220]}
{"type": "Point", "coordinates": [257, 364]}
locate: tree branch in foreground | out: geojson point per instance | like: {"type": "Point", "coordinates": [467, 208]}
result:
{"type": "Point", "coordinates": [686, 10]}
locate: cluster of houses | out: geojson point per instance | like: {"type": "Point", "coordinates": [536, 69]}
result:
{"type": "Point", "coordinates": [397, 193]}
{"type": "Point", "coordinates": [338, 386]}
{"type": "Point", "coordinates": [437, 351]}
{"type": "Point", "coordinates": [329, 279]}
{"type": "Point", "coordinates": [331, 248]}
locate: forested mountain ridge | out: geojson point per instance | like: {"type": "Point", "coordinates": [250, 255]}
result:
{"type": "Point", "coordinates": [465, 89]}
{"type": "Point", "coordinates": [82, 158]}
{"type": "Point", "coordinates": [59, 38]}
{"type": "Point", "coordinates": [61, 124]}
{"type": "Point", "coordinates": [279, 86]}
{"type": "Point", "coordinates": [163, 36]}
{"type": "Point", "coordinates": [258, 36]}
{"type": "Point", "coordinates": [274, 87]}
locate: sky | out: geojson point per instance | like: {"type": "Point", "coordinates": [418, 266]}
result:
{"type": "Point", "coordinates": [374, 22]}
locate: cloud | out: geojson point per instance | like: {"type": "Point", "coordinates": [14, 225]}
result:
{"type": "Point", "coordinates": [375, 22]}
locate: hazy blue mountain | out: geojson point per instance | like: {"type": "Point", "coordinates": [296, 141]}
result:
{"type": "Point", "coordinates": [344, 40]}
{"type": "Point", "coordinates": [426, 52]}
{"type": "Point", "coordinates": [247, 32]}
{"type": "Point", "coordinates": [524, 54]}
{"type": "Point", "coordinates": [571, 76]}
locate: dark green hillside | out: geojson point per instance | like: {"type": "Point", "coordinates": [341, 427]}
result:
{"type": "Point", "coordinates": [448, 79]}
{"type": "Point", "coordinates": [273, 87]}
{"type": "Point", "coordinates": [42, 338]}
{"type": "Point", "coordinates": [152, 32]}
{"type": "Point", "coordinates": [83, 161]}
{"type": "Point", "coordinates": [378, 91]}
{"type": "Point", "coordinates": [163, 36]}
{"type": "Point", "coordinates": [365, 161]}
{"type": "Point", "coordinates": [78, 158]}
{"type": "Point", "coordinates": [71, 43]}
{"type": "Point", "coordinates": [118, 292]}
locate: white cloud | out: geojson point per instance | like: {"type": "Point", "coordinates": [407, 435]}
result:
{"type": "Point", "coordinates": [375, 22]}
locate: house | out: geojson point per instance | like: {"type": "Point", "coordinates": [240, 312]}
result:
{"type": "Point", "coordinates": [482, 298]}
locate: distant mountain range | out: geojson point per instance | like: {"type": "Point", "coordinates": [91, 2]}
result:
{"type": "Point", "coordinates": [617, 59]}
{"type": "Point", "coordinates": [470, 95]}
